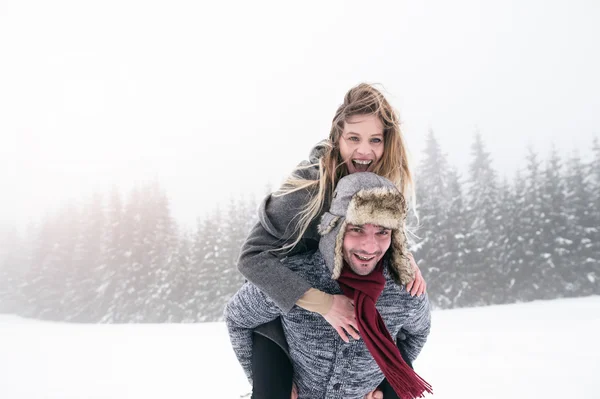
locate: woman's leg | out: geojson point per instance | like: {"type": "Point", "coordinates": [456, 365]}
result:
{"type": "Point", "coordinates": [271, 370]}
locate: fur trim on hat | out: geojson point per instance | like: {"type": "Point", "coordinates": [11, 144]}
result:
{"type": "Point", "coordinates": [380, 206]}
{"type": "Point", "coordinates": [400, 266]}
{"type": "Point", "coordinates": [326, 226]}
{"type": "Point", "coordinates": [339, 256]}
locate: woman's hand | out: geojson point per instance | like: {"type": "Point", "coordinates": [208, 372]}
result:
{"type": "Point", "coordinates": [341, 317]}
{"type": "Point", "coordinates": [417, 286]}
{"type": "Point", "coordinates": [294, 391]}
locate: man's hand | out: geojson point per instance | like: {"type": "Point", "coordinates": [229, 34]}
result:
{"type": "Point", "coordinates": [341, 317]}
{"type": "Point", "coordinates": [376, 394]}
{"type": "Point", "coordinates": [417, 286]}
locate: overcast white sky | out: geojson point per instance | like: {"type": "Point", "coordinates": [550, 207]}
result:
{"type": "Point", "coordinates": [216, 98]}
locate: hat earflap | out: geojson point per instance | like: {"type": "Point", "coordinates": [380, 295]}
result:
{"type": "Point", "coordinates": [400, 266]}
{"type": "Point", "coordinates": [338, 263]}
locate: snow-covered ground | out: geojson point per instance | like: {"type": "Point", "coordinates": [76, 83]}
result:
{"type": "Point", "coordinates": [536, 350]}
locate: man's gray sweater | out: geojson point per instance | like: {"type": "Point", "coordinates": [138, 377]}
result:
{"type": "Point", "coordinates": [324, 365]}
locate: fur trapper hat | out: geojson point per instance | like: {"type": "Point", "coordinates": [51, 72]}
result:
{"type": "Point", "coordinates": [366, 198]}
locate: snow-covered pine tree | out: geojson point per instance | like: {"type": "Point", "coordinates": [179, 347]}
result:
{"type": "Point", "coordinates": [554, 254]}
{"type": "Point", "coordinates": [433, 199]}
{"type": "Point", "coordinates": [198, 296]}
{"type": "Point", "coordinates": [211, 266]}
{"type": "Point", "coordinates": [451, 238]}
{"type": "Point", "coordinates": [481, 246]}
{"type": "Point", "coordinates": [83, 298]}
{"type": "Point", "coordinates": [594, 231]}
{"type": "Point", "coordinates": [129, 292]}
{"type": "Point", "coordinates": [162, 241]}
{"type": "Point", "coordinates": [230, 278]}
{"type": "Point", "coordinates": [507, 239]}
{"type": "Point", "coordinates": [50, 276]}
{"type": "Point", "coordinates": [11, 266]}
{"type": "Point", "coordinates": [579, 274]}
{"type": "Point", "coordinates": [530, 232]}
{"type": "Point", "coordinates": [113, 276]}
{"type": "Point", "coordinates": [183, 281]}
{"type": "Point", "coordinates": [518, 288]}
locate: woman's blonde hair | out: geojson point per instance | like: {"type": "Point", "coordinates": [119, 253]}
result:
{"type": "Point", "coordinates": [363, 99]}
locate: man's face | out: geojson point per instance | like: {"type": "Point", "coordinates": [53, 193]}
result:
{"type": "Point", "coordinates": [364, 246]}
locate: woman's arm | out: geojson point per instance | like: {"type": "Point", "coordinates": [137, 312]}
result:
{"type": "Point", "coordinates": [275, 228]}
{"type": "Point", "coordinates": [264, 270]}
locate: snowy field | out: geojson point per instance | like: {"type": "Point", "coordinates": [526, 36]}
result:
{"type": "Point", "coordinates": [540, 350]}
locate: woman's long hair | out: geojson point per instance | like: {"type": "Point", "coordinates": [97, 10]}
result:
{"type": "Point", "coordinates": [363, 99]}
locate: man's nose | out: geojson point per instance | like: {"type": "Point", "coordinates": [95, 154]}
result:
{"type": "Point", "coordinates": [370, 243]}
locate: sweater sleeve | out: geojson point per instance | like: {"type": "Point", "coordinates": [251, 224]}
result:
{"type": "Point", "coordinates": [276, 227]}
{"type": "Point", "coordinates": [417, 329]}
{"type": "Point", "coordinates": [246, 310]}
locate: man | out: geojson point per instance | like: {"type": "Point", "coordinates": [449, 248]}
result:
{"type": "Point", "coordinates": [362, 254]}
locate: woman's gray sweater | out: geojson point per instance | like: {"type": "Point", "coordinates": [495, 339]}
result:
{"type": "Point", "coordinates": [277, 218]}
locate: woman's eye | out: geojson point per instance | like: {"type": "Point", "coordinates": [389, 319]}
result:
{"type": "Point", "coordinates": [377, 141]}
{"type": "Point", "coordinates": [353, 138]}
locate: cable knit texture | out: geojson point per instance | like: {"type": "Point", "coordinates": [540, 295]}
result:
{"type": "Point", "coordinates": [324, 365]}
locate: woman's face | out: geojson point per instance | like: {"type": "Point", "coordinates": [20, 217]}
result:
{"type": "Point", "coordinates": [361, 143]}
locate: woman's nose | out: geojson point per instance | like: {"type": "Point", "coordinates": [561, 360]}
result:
{"type": "Point", "coordinates": [364, 148]}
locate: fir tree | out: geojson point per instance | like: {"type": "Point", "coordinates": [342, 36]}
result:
{"type": "Point", "coordinates": [555, 253]}
{"type": "Point", "coordinates": [201, 276]}
{"type": "Point", "coordinates": [183, 282]}
{"type": "Point", "coordinates": [51, 275]}
{"type": "Point", "coordinates": [580, 273]}
{"type": "Point", "coordinates": [507, 243]}
{"type": "Point", "coordinates": [129, 291]}
{"type": "Point", "coordinates": [529, 226]}
{"type": "Point", "coordinates": [161, 271]}
{"type": "Point", "coordinates": [10, 268]}
{"type": "Point", "coordinates": [113, 277]}
{"type": "Point", "coordinates": [482, 227]}
{"type": "Point", "coordinates": [89, 261]}
{"type": "Point", "coordinates": [433, 195]}
{"type": "Point", "coordinates": [451, 234]}
{"type": "Point", "coordinates": [211, 235]}
{"type": "Point", "coordinates": [594, 230]}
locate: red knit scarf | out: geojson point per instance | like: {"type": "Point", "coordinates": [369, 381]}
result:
{"type": "Point", "coordinates": [365, 290]}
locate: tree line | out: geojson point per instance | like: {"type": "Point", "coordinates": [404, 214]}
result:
{"type": "Point", "coordinates": [479, 240]}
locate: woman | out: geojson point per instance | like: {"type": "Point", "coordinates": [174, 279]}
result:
{"type": "Point", "coordinates": [365, 136]}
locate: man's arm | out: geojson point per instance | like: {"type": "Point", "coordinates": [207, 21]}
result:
{"type": "Point", "coordinates": [246, 310]}
{"type": "Point", "coordinates": [416, 330]}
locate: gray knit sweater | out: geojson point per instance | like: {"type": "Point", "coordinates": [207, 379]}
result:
{"type": "Point", "coordinates": [325, 366]}
{"type": "Point", "coordinates": [275, 228]}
